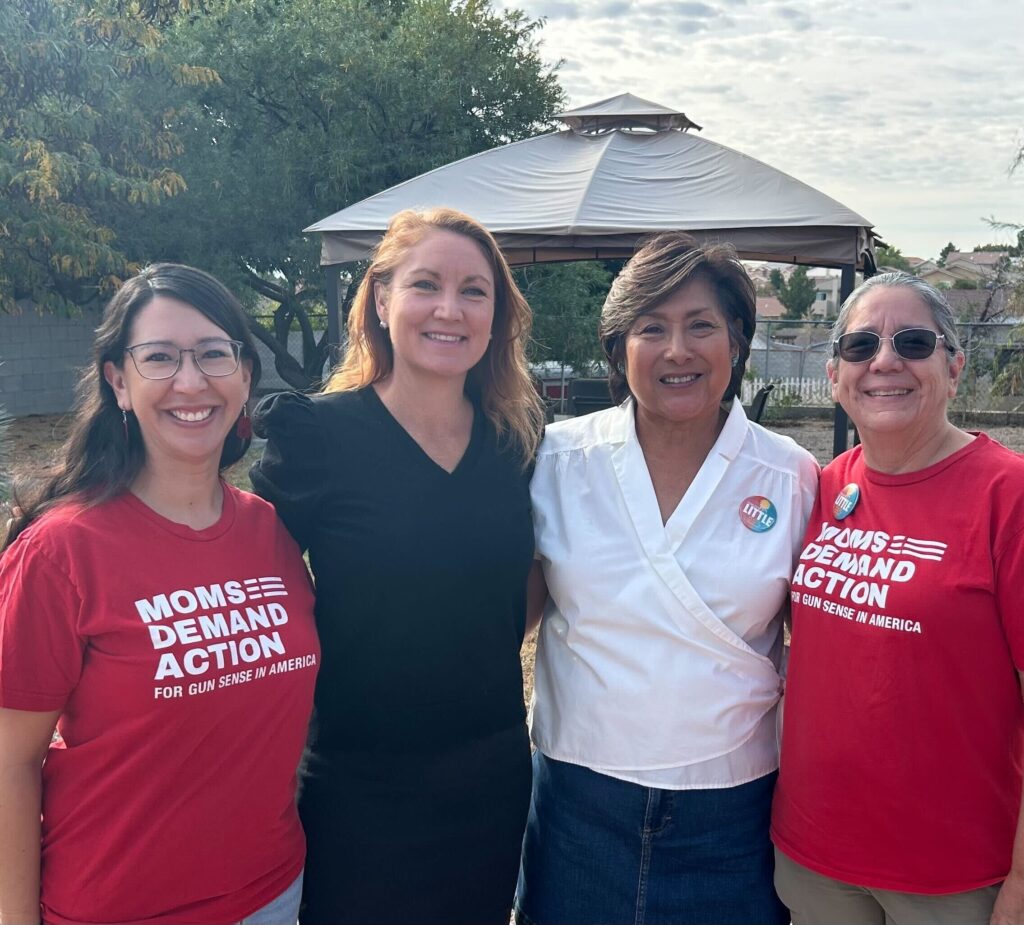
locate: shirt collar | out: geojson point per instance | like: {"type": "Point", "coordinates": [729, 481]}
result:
{"type": "Point", "coordinates": [728, 444]}
{"type": "Point", "coordinates": [730, 440]}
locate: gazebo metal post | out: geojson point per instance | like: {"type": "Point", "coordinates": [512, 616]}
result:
{"type": "Point", "coordinates": [840, 422]}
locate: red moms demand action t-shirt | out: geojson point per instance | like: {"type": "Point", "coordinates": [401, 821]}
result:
{"type": "Point", "coordinates": [901, 752]}
{"type": "Point", "coordinates": [183, 663]}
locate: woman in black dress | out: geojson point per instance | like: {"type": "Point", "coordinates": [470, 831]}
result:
{"type": "Point", "coordinates": [407, 481]}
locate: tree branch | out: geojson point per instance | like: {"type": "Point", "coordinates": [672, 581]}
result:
{"type": "Point", "coordinates": [288, 368]}
{"type": "Point", "coordinates": [264, 287]}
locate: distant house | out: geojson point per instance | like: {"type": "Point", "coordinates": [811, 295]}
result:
{"type": "Point", "coordinates": [826, 288]}
{"type": "Point", "coordinates": [937, 276]}
{"type": "Point", "coordinates": [971, 304]}
{"type": "Point", "coordinates": [785, 336]}
{"type": "Point", "coordinates": [801, 354]}
{"type": "Point", "coordinates": [760, 271]}
{"type": "Point", "coordinates": [977, 267]}
{"type": "Point", "coordinates": [923, 268]}
{"type": "Point", "coordinates": [984, 261]}
{"type": "Point", "coordinates": [769, 308]}
{"type": "Point", "coordinates": [826, 292]}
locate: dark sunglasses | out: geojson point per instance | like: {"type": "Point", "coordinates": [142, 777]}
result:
{"type": "Point", "coordinates": [910, 343]}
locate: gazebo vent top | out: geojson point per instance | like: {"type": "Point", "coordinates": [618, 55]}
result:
{"type": "Point", "coordinates": [624, 111]}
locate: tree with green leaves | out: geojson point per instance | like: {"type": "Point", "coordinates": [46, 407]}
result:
{"type": "Point", "coordinates": [945, 252]}
{"type": "Point", "coordinates": [1008, 370]}
{"type": "Point", "coordinates": [76, 146]}
{"type": "Point", "coordinates": [566, 300]}
{"type": "Point", "coordinates": [321, 103]}
{"type": "Point", "coordinates": [1009, 379]}
{"type": "Point", "coordinates": [796, 293]}
{"type": "Point", "coordinates": [892, 257]}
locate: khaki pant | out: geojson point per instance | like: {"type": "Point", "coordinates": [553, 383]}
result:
{"type": "Point", "coordinates": [814, 899]}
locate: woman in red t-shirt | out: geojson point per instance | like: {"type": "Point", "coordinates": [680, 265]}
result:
{"type": "Point", "coordinates": [900, 785]}
{"type": "Point", "coordinates": [160, 621]}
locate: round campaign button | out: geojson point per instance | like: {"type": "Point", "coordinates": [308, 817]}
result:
{"type": "Point", "coordinates": [758, 513]}
{"type": "Point", "coordinates": [846, 501]}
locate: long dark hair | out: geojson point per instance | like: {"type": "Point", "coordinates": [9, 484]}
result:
{"type": "Point", "coordinates": [98, 460]}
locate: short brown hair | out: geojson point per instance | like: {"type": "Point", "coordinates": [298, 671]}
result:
{"type": "Point", "coordinates": [501, 380]}
{"type": "Point", "coordinates": [663, 265]}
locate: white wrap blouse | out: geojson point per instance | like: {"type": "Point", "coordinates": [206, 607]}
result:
{"type": "Point", "coordinates": [658, 652]}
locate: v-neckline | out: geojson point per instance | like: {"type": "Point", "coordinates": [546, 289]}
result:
{"type": "Point", "coordinates": [468, 455]}
{"type": "Point", "coordinates": [642, 499]}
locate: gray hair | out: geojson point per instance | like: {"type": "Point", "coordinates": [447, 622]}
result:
{"type": "Point", "coordinates": [934, 300]}
{"type": "Point", "coordinates": [664, 264]}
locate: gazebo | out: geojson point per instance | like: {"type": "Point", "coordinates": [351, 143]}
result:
{"type": "Point", "coordinates": [621, 169]}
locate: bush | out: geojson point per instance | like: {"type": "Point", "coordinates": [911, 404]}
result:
{"type": "Point", "coordinates": [780, 401]}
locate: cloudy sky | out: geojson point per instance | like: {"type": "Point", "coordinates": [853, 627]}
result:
{"type": "Point", "coordinates": [909, 113]}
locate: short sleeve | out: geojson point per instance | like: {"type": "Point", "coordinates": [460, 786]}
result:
{"type": "Point", "coordinates": [807, 489]}
{"type": "Point", "coordinates": [1009, 579]}
{"type": "Point", "coordinates": [290, 474]}
{"type": "Point", "coordinates": [41, 650]}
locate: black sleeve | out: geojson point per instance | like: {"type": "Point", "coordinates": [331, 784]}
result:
{"type": "Point", "coordinates": [290, 474]}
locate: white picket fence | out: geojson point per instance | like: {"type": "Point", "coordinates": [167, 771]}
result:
{"type": "Point", "coordinates": [791, 390]}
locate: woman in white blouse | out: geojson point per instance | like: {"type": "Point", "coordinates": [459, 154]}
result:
{"type": "Point", "coordinates": [666, 533]}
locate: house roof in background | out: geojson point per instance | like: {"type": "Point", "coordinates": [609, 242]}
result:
{"type": "Point", "coordinates": [988, 259]}
{"type": "Point", "coordinates": [972, 302]}
{"type": "Point", "coordinates": [769, 307]}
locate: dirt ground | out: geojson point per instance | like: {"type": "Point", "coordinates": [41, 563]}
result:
{"type": "Point", "coordinates": [816, 436]}
{"type": "Point", "coordinates": [35, 441]}
{"type": "Point", "coordinates": [34, 438]}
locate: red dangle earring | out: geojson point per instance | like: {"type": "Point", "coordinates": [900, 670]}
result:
{"type": "Point", "coordinates": [244, 426]}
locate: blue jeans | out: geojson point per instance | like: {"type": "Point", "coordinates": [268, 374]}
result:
{"type": "Point", "coordinates": [601, 850]}
{"type": "Point", "coordinates": [281, 911]}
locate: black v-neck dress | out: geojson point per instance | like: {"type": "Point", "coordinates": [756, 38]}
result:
{"type": "Point", "coordinates": [417, 789]}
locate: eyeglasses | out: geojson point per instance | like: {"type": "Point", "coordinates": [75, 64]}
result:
{"type": "Point", "coordinates": [214, 357]}
{"type": "Point", "coordinates": [910, 343]}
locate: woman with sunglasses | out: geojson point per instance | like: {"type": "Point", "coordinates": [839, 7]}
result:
{"type": "Point", "coordinates": [900, 785]}
{"type": "Point", "coordinates": [162, 622]}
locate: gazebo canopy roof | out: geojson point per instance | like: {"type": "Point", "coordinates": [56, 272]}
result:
{"type": "Point", "coordinates": [623, 169]}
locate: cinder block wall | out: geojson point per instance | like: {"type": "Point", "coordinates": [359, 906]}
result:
{"type": "Point", "coordinates": [41, 355]}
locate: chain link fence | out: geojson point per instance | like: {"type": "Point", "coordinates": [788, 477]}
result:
{"type": "Point", "coordinates": [792, 354]}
